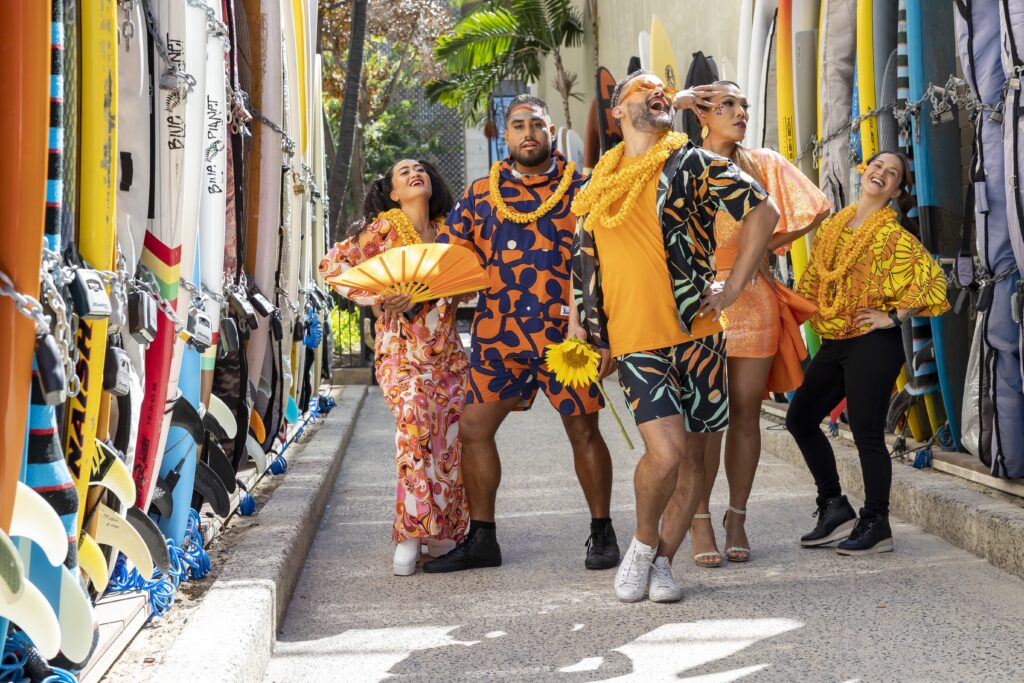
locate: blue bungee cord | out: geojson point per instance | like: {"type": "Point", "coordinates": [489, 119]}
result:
{"type": "Point", "coordinates": [15, 657]}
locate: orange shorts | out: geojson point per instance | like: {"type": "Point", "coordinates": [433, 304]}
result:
{"type": "Point", "coordinates": [491, 381]}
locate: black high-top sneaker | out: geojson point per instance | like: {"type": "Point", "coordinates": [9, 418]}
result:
{"type": "Point", "coordinates": [602, 548]}
{"type": "Point", "coordinates": [835, 521]}
{"type": "Point", "coordinates": [871, 535]}
{"type": "Point", "coordinates": [479, 549]}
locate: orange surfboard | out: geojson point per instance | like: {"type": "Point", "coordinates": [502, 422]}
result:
{"type": "Point", "coordinates": [24, 120]}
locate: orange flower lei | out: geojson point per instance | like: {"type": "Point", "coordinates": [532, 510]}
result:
{"type": "Point", "coordinates": [494, 185]}
{"type": "Point", "coordinates": [833, 266]}
{"type": "Point", "coordinates": [607, 184]}
{"type": "Point", "coordinates": [407, 232]}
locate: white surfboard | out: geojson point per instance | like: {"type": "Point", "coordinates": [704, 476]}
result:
{"type": "Point", "coordinates": [764, 15]}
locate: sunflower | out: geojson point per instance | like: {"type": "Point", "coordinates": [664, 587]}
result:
{"type": "Point", "coordinates": [575, 363]}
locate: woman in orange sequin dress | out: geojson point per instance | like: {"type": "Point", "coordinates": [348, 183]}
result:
{"type": "Point", "coordinates": [756, 339]}
{"type": "Point", "coordinates": [419, 363]}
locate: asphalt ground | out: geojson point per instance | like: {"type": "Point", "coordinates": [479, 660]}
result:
{"type": "Point", "coordinates": [927, 612]}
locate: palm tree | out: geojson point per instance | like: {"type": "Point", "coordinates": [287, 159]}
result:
{"type": "Point", "coordinates": [342, 164]}
{"type": "Point", "coordinates": [506, 40]}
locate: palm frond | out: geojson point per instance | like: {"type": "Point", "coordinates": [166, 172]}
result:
{"type": "Point", "coordinates": [480, 38]}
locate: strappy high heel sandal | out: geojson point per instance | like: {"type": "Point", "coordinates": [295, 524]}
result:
{"type": "Point", "coordinates": [711, 558]}
{"type": "Point", "coordinates": [736, 553]}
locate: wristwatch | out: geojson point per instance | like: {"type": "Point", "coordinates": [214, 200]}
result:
{"type": "Point", "coordinates": [895, 318]}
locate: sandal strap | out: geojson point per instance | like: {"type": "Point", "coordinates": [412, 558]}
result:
{"type": "Point", "coordinates": [736, 511]}
{"type": "Point", "coordinates": [702, 515]}
{"type": "Point", "coordinates": [737, 549]}
{"type": "Point", "coordinates": [710, 553]}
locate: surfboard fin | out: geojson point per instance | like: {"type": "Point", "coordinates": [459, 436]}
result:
{"type": "Point", "coordinates": [256, 426]}
{"type": "Point", "coordinates": [255, 451]}
{"type": "Point", "coordinates": [36, 520]}
{"type": "Point", "coordinates": [77, 619]}
{"type": "Point", "coordinates": [152, 537]}
{"type": "Point", "coordinates": [162, 504]}
{"type": "Point", "coordinates": [187, 417]}
{"type": "Point", "coordinates": [12, 571]}
{"type": "Point", "coordinates": [114, 530]}
{"type": "Point", "coordinates": [27, 607]}
{"type": "Point", "coordinates": [92, 562]}
{"type": "Point", "coordinates": [211, 488]}
{"type": "Point", "coordinates": [217, 459]}
{"type": "Point", "coordinates": [110, 472]}
{"type": "Point", "coordinates": [222, 415]}
{"type": "Point", "coordinates": [211, 425]}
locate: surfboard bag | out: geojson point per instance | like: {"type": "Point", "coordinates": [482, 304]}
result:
{"type": "Point", "coordinates": [995, 394]}
{"type": "Point", "coordinates": [702, 71]}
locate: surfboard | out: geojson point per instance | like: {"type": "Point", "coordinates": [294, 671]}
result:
{"type": "Point", "coordinates": [574, 148]}
{"type": "Point", "coordinates": [764, 15]}
{"type": "Point", "coordinates": [836, 54]}
{"type": "Point", "coordinates": [213, 204]}
{"type": "Point", "coordinates": [805, 19]}
{"type": "Point", "coordinates": [293, 198]}
{"type": "Point", "coordinates": [23, 118]}
{"type": "Point", "coordinates": [608, 127]}
{"type": "Point", "coordinates": [162, 252]}
{"type": "Point", "coordinates": [932, 58]}
{"type": "Point", "coordinates": [319, 244]}
{"type": "Point", "coordinates": [663, 59]}
{"type": "Point", "coordinates": [643, 40]}
{"type": "Point", "coordinates": [743, 45]}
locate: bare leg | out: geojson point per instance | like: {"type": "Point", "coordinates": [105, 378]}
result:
{"type": "Point", "coordinates": [593, 461]}
{"type": "Point", "coordinates": [481, 467]}
{"type": "Point", "coordinates": [656, 473]}
{"type": "Point", "coordinates": [688, 490]}
{"type": "Point", "coordinates": [747, 380]}
{"type": "Point", "coordinates": [702, 533]}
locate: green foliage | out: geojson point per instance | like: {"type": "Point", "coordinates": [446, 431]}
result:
{"type": "Point", "coordinates": [345, 331]}
{"type": "Point", "coordinates": [396, 134]}
{"type": "Point", "coordinates": [503, 41]}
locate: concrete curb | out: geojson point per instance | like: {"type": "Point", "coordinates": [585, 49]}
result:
{"type": "Point", "coordinates": [231, 634]}
{"type": "Point", "coordinates": [980, 520]}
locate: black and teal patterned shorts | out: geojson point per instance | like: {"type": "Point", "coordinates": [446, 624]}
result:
{"type": "Point", "coordinates": [687, 379]}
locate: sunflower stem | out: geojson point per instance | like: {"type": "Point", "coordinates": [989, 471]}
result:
{"type": "Point", "coordinates": [611, 406]}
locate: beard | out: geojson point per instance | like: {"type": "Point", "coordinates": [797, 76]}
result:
{"type": "Point", "coordinates": [646, 120]}
{"type": "Point", "coordinates": [533, 157]}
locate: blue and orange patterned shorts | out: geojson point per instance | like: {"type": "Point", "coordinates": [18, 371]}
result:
{"type": "Point", "coordinates": [497, 380]}
{"type": "Point", "coordinates": [687, 379]}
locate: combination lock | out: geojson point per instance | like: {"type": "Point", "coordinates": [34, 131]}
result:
{"type": "Point", "coordinates": [261, 304]}
{"type": "Point", "coordinates": [117, 370]}
{"type": "Point", "coordinates": [276, 327]}
{"type": "Point", "coordinates": [242, 308]}
{"type": "Point", "coordinates": [88, 295]}
{"type": "Point", "coordinates": [229, 340]}
{"type": "Point", "coordinates": [201, 330]}
{"type": "Point", "coordinates": [53, 382]}
{"type": "Point", "coordinates": [142, 317]}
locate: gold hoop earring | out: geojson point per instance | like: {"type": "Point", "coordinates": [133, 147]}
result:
{"type": "Point", "coordinates": [704, 133]}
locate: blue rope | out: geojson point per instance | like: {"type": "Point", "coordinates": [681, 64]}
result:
{"type": "Point", "coordinates": [279, 465]}
{"type": "Point", "coordinates": [945, 438]}
{"type": "Point", "coordinates": [15, 657]}
{"type": "Point", "coordinates": [59, 675]}
{"type": "Point", "coordinates": [923, 458]}
{"type": "Point", "coordinates": [194, 555]}
{"type": "Point", "coordinates": [247, 505]}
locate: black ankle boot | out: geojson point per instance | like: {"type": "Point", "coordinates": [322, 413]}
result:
{"type": "Point", "coordinates": [602, 548]}
{"type": "Point", "coordinates": [871, 535]}
{"type": "Point", "coordinates": [835, 521]}
{"type": "Point", "coordinates": [479, 549]}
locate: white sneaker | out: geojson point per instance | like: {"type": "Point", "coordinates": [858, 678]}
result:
{"type": "Point", "coordinates": [406, 554]}
{"type": "Point", "coordinates": [634, 572]}
{"type": "Point", "coordinates": [436, 547]}
{"type": "Point", "coordinates": [663, 586]}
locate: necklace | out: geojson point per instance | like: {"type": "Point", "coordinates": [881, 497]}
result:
{"type": "Point", "coordinates": [504, 212]}
{"type": "Point", "coordinates": [832, 266]}
{"type": "Point", "coordinates": [608, 184]}
{"type": "Point", "coordinates": [407, 232]}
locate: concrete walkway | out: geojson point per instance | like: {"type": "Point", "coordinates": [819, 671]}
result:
{"type": "Point", "coordinates": [928, 612]}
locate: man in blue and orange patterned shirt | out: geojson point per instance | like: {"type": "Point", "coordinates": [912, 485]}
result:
{"type": "Point", "coordinates": [517, 221]}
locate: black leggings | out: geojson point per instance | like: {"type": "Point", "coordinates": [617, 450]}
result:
{"type": "Point", "coordinates": [862, 369]}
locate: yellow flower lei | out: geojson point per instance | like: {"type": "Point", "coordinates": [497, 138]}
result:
{"type": "Point", "coordinates": [494, 185]}
{"type": "Point", "coordinates": [607, 184]}
{"type": "Point", "coordinates": [833, 266]}
{"type": "Point", "coordinates": [407, 232]}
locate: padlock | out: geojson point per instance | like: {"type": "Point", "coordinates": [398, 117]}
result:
{"type": "Point", "coordinates": [229, 341]}
{"type": "Point", "coordinates": [200, 328]}
{"type": "Point", "coordinates": [946, 116]}
{"type": "Point", "coordinates": [117, 370]}
{"type": "Point", "coordinates": [276, 328]}
{"type": "Point", "coordinates": [298, 329]}
{"type": "Point", "coordinates": [142, 317]}
{"type": "Point", "coordinates": [261, 303]}
{"type": "Point", "coordinates": [1013, 83]}
{"type": "Point", "coordinates": [961, 300]}
{"type": "Point", "coordinates": [984, 297]}
{"type": "Point", "coordinates": [53, 382]}
{"type": "Point", "coordinates": [242, 308]}
{"type": "Point", "coordinates": [88, 295]}
{"type": "Point", "coordinates": [996, 117]}
{"type": "Point", "coordinates": [1017, 307]}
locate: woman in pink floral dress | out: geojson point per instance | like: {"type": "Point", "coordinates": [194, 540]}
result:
{"type": "Point", "coordinates": [419, 364]}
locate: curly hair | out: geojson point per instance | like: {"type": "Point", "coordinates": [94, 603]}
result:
{"type": "Point", "coordinates": [378, 196]}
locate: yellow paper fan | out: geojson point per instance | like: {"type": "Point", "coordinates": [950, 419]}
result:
{"type": "Point", "coordinates": [424, 271]}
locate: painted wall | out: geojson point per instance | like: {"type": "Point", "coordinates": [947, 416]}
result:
{"type": "Point", "coordinates": [705, 25]}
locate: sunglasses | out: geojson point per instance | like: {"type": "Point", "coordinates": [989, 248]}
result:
{"type": "Point", "coordinates": [645, 86]}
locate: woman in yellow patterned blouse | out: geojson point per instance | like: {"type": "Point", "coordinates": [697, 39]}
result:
{"type": "Point", "coordinates": [867, 274]}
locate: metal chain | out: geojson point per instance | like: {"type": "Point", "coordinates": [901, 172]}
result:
{"type": "Point", "coordinates": [63, 331]}
{"type": "Point", "coordinates": [293, 307]}
{"type": "Point", "coordinates": [287, 144]}
{"type": "Point", "coordinates": [127, 27]}
{"type": "Point", "coordinates": [175, 77]}
{"type": "Point", "coordinates": [145, 286]}
{"type": "Point", "coordinates": [214, 26]}
{"type": "Point", "coordinates": [25, 304]}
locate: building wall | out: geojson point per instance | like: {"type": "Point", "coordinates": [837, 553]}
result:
{"type": "Point", "coordinates": [705, 25]}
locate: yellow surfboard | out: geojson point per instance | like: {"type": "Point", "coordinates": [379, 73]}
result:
{"type": "Point", "coordinates": [663, 59]}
